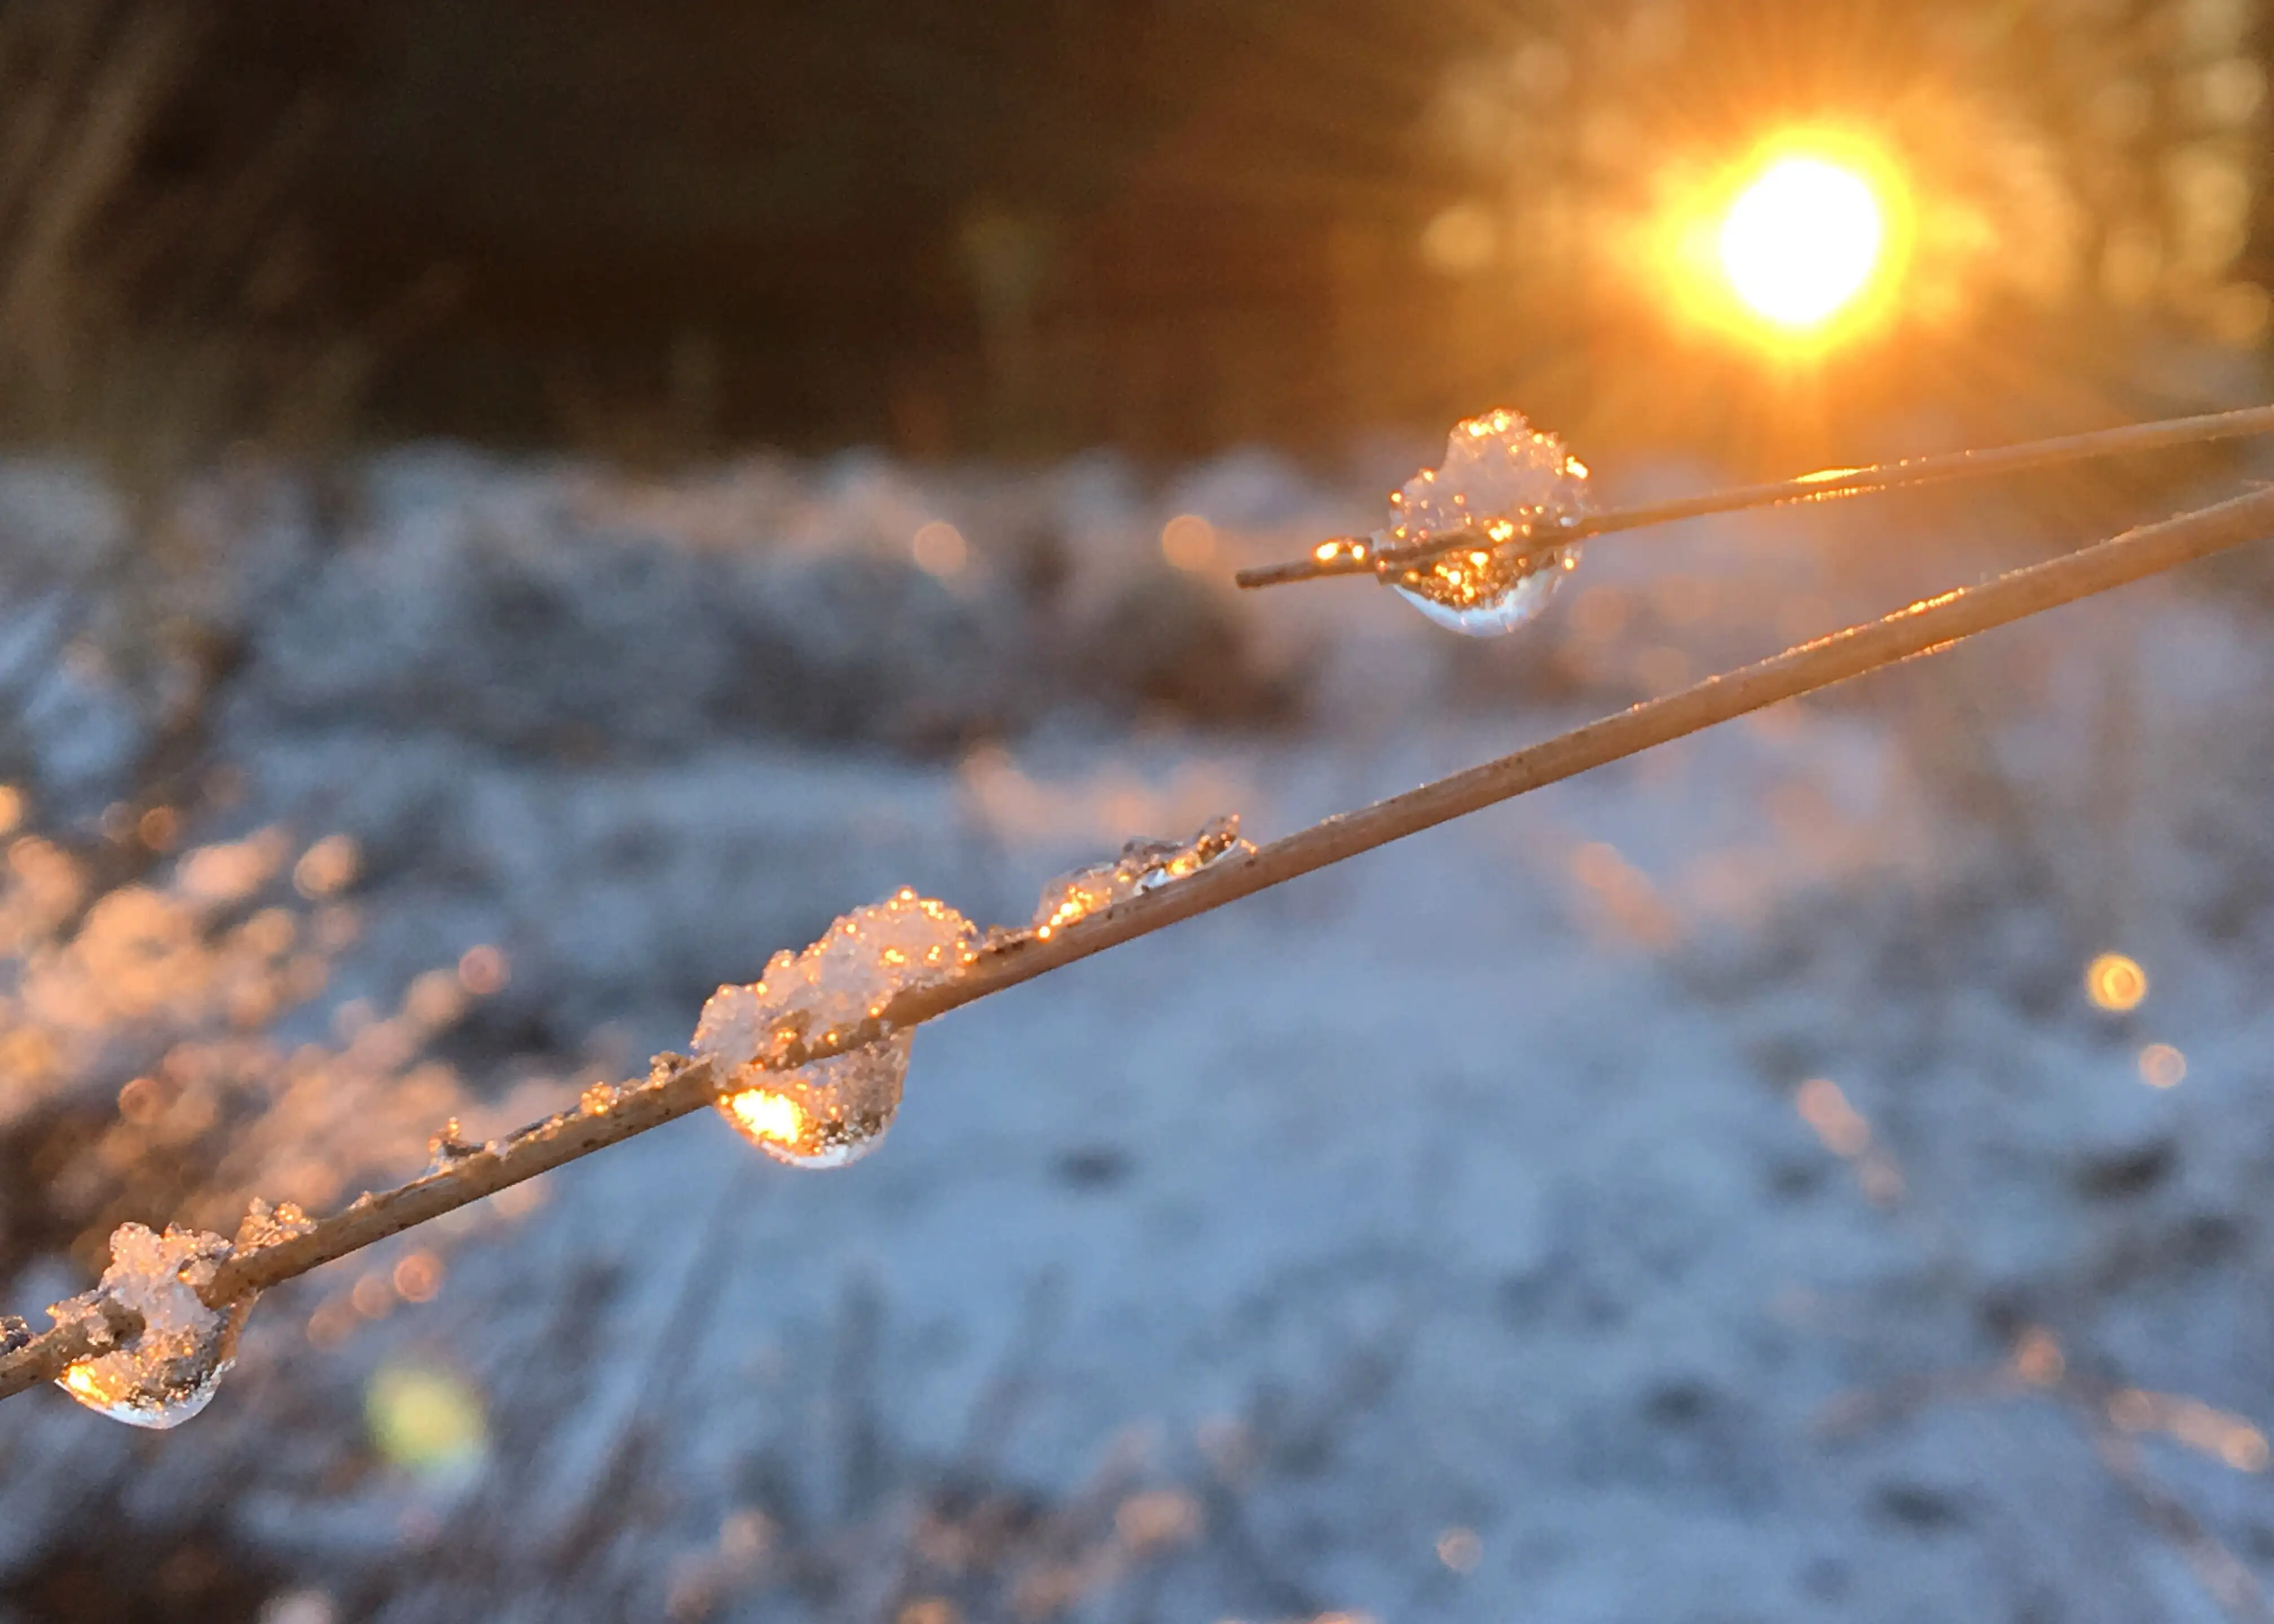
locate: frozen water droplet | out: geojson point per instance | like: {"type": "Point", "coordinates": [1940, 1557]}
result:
{"type": "Point", "coordinates": [1503, 483]}
{"type": "Point", "coordinates": [170, 1370]}
{"type": "Point", "coordinates": [1143, 865]}
{"type": "Point", "coordinates": [829, 1113]}
{"type": "Point", "coordinates": [832, 1111]}
{"type": "Point", "coordinates": [1478, 599]}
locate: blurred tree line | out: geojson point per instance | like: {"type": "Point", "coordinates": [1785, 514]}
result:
{"type": "Point", "coordinates": [1023, 225]}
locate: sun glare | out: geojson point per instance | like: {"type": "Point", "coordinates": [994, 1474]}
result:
{"type": "Point", "coordinates": [1801, 242]}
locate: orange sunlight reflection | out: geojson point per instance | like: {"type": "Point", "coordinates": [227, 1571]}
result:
{"type": "Point", "coordinates": [769, 1116]}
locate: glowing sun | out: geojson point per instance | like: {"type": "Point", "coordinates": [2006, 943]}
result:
{"type": "Point", "coordinates": [1802, 240]}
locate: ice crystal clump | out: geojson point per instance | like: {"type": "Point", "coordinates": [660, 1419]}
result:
{"type": "Point", "coordinates": [170, 1370]}
{"type": "Point", "coordinates": [1507, 484]}
{"type": "Point", "coordinates": [14, 1334]}
{"type": "Point", "coordinates": [832, 1111]}
{"type": "Point", "coordinates": [1144, 865]}
{"type": "Point", "coordinates": [265, 1225]}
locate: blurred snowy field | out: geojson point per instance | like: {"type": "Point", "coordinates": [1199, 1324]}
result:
{"type": "Point", "coordinates": [1501, 1225]}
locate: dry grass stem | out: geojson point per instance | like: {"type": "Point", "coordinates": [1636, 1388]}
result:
{"type": "Point", "coordinates": [677, 1086]}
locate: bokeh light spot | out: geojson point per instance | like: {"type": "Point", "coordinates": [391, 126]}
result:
{"type": "Point", "coordinates": [1460, 1549]}
{"type": "Point", "coordinates": [2115, 983]}
{"type": "Point", "coordinates": [2161, 1066]}
{"type": "Point", "coordinates": [1459, 241]}
{"type": "Point", "coordinates": [419, 1277]}
{"type": "Point", "coordinates": [483, 971]}
{"type": "Point", "coordinates": [1188, 541]}
{"type": "Point", "coordinates": [939, 549]}
{"type": "Point", "coordinates": [327, 867]}
{"type": "Point", "coordinates": [426, 1421]}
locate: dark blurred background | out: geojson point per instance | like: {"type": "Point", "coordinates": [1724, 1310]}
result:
{"type": "Point", "coordinates": [1035, 225]}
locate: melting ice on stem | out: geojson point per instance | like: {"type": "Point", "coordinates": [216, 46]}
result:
{"type": "Point", "coordinates": [832, 1111]}
{"type": "Point", "coordinates": [171, 1369]}
{"type": "Point", "coordinates": [1143, 865]}
{"type": "Point", "coordinates": [1508, 486]}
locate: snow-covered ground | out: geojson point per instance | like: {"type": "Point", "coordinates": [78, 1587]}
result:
{"type": "Point", "coordinates": [1449, 1236]}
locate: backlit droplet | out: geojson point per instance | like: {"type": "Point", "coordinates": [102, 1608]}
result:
{"type": "Point", "coordinates": [827, 1114]}
{"type": "Point", "coordinates": [1144, 865]}
{"type": "Point", "coordinates": [832, 1111]}
{"type": "Point", "coordinates": [1509, 487]}
{"type": "Point", "coordinates": [170, 1370]}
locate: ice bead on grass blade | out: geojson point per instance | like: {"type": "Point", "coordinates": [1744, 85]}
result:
{"type": "Point", "coordinates": [1509, 487]}
{"type": "Point", "coordinates": [1143, 865]}
{"type": "Point", "coordinates": [832, 1111]}
{"type": "Point", "coordinates": [170, 1370]}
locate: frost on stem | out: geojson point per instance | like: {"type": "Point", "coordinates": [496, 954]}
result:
{"type": "Point", "coordinates": [445, 1150]}
{"type": "Point", "coordinates": [1143, 866]}
{"type": "Point", "coordinates": [1503, 482]}
{"type": "Point", "coordinates": [265, 1226]}
{"type": "Point", "coordinates": [832, 1111]}
{"type": "Point", "coordinates": [170, 1370]}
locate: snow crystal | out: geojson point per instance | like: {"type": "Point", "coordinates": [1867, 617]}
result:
{"type": "Point", "coordinates": [1502, 482]}
{"type": "Point", "coordinates": [1144, 865]}
{"type": "Point", "coordinates": [169, 1373]}
{"type": "Point", "coordinates": [835, 1110]}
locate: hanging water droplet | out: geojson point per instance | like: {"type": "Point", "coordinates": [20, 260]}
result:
{"type": "Point", "coordinates": [1505, 485]}
{"type": "Point", "coordinates": [829, 1113]}
{"type": "Point", "coordinates": [1144, 865]}
{"type": "Point", "coordinates": [832, 1111]}
{"type": "Point", "coordinates": [170, 1370]}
